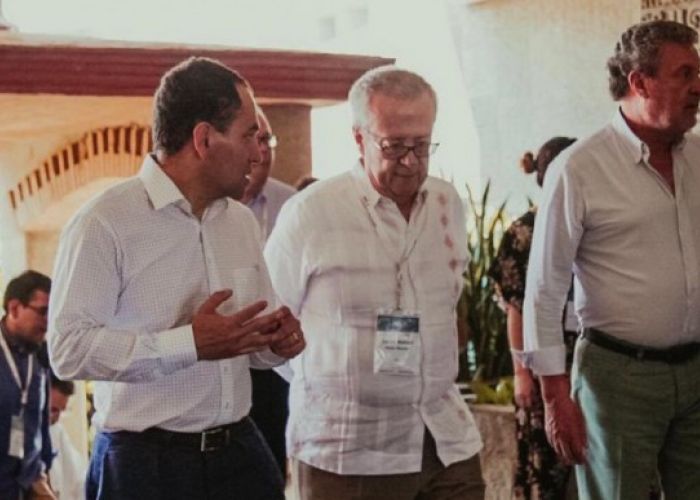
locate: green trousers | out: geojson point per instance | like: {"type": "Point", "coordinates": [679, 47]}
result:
{"type": "Point", "coordinates": [642, 419]}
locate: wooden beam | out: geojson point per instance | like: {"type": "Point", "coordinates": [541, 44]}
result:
{"type": "Point", "coordinates": [82, 70]}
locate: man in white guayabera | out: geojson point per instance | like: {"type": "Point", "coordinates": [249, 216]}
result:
{"type": "Point", "coordinates": [372, 261]}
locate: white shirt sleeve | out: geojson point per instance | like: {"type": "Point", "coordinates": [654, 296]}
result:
{"type": "Point", "coordinates": [284, 255]}
{"type": "Point", "coordinates": [85, 295]}
{"type": "Point", "coordinates": [266, 359]}
{"type": "Point", "coordinates": [556, 236]}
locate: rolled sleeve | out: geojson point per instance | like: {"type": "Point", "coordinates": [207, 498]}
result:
{"type": "Point", "coordinates": [556, 236]}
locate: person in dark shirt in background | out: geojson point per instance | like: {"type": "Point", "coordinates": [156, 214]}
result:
{"type": "Point", "coordinates": [24, 387]}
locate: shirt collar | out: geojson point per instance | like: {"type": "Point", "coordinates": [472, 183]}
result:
{"type": "Point", "coordinates": [371, 194]}
{"type": "Point", "coordinates": [261, 198]}
{"type": "Point", "coordinates": [160, 188]}
{"type": "Point", "coordinates": [636, 146]}
{"type": "Point", "coordinates": [162, 191]}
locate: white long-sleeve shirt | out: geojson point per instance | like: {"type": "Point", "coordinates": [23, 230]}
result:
{"type": "Point", "coordinates": [633, 245]}
{"type": "Point", "coordinates": [331, 267]}
{"type": "Point", "coordinates": [133, 266]}
{"type": "Point", "coordinates": [67, 473]}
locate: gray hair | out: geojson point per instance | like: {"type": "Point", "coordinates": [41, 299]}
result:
{"type": "Point", "coordinates": [638, 50]}
{"type": "Point", "coordinates": [388, 81]}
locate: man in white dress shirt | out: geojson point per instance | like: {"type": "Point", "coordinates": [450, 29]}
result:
{"type": "Point", "coordinates": [622, 208]}
{"type": "Point", "coordinates": [372, 262]}
{"type": "Point", "coordinates": [265, 197]}
{"type": "Point", "coordinates": [162, 297]}
{"type": "Point", "coordinates": [67, 474]}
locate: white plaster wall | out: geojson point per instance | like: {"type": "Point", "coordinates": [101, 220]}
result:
{"type": "Point", "coordinates": [416, 34]}
{"type": "Point", "coordinates": [534, 69]}
{"type": "Point", "coordinates": [17, 158]}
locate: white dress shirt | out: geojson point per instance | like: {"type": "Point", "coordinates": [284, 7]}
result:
{"type": "Point", "coordinates": [133, 266]}
{"type": "Point", "coordinates": [331, 267]}
{"type": "Point", "coordinates": [633, 246]}
{"type": "Point", "coordinates": [68, 468]}
{"type": "Point", "coordinates": [267, 204]}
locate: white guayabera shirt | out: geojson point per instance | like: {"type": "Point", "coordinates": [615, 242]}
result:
{"type": "Point", "coordinates": [330, 266]}
{"type": "Point", "coordinates": [133, 267]}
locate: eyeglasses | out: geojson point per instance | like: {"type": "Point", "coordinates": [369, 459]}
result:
{"type": "Point", "coordinates": [269, 140]}
{"type": "Point", "coordinates": [41, 311]}
{"type": "Point", "coordinates": [395, 149]}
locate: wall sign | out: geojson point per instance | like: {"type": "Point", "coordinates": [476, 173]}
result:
{"type": "Point", "coordinates": [682, 11]}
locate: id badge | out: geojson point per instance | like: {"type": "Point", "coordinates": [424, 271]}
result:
{"type": "Point", "coordinates": [397, 344]}
{"type": "Point", "coordinates": [17, 437]}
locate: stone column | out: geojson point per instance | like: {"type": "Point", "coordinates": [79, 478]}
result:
{"type": "Point", "coordinates": [500, 452]}
{"type": "Point", "coordinates": [291, 123]}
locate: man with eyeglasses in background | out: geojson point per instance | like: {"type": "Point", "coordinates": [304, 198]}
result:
{"type": "Point", "coordinates": [371, 261]}
{"type": "Point", "coordinates": [265, 197]}
{"type": "Point", "coordinates": [25, 446]}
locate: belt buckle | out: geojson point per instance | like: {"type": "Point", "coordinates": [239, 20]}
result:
{"type": "Point", "coordinates": [205, 445]}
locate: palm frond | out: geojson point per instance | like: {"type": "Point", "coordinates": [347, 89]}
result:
{"type": "Point", "coordinates": [487, 354]}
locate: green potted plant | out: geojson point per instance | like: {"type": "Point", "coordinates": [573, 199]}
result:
{"type": "Point", "coordinates": [486, 361]}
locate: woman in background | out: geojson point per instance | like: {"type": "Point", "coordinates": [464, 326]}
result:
{"type": "Point", "coordinates": [539, 473]}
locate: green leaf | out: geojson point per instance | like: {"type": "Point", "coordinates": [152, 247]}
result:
{"type": "Point", "coordinates": [487, 354]}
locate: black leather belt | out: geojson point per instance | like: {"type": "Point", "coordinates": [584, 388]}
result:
{"type": "Point", "coordinates": [672, 355]}
{"type": "Point", "coordinates": [212, 439]}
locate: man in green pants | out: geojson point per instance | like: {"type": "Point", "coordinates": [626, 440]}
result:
{"type": "Point", "coordinates": [622, 209]}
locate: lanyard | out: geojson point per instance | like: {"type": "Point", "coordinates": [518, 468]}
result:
{"type": "Point", "coordinates": [386, 243]}
{"type": "Point", "coordinates": [15, 372]}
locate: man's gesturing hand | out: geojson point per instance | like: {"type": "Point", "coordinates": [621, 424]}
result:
{"type": "Point", "coordinates": [217, 336]}
{"type": "Point", "coordinates": [292, 343]}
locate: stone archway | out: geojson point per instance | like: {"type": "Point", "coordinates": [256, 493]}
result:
{"type": "Point", "coordinates": [108, 152]}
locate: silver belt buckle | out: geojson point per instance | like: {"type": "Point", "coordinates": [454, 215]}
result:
{"type": "Point", "coordinates": [204, 445]}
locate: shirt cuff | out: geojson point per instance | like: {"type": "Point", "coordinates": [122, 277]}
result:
{"type": "Point", "coordinates": [263, 360]}
{"type": "Point", "coordinates": [547, 361]}
{"type": "Point", "coordinates": [285, 371]}
{"type": "Point", "coordinates": [177, 349]}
